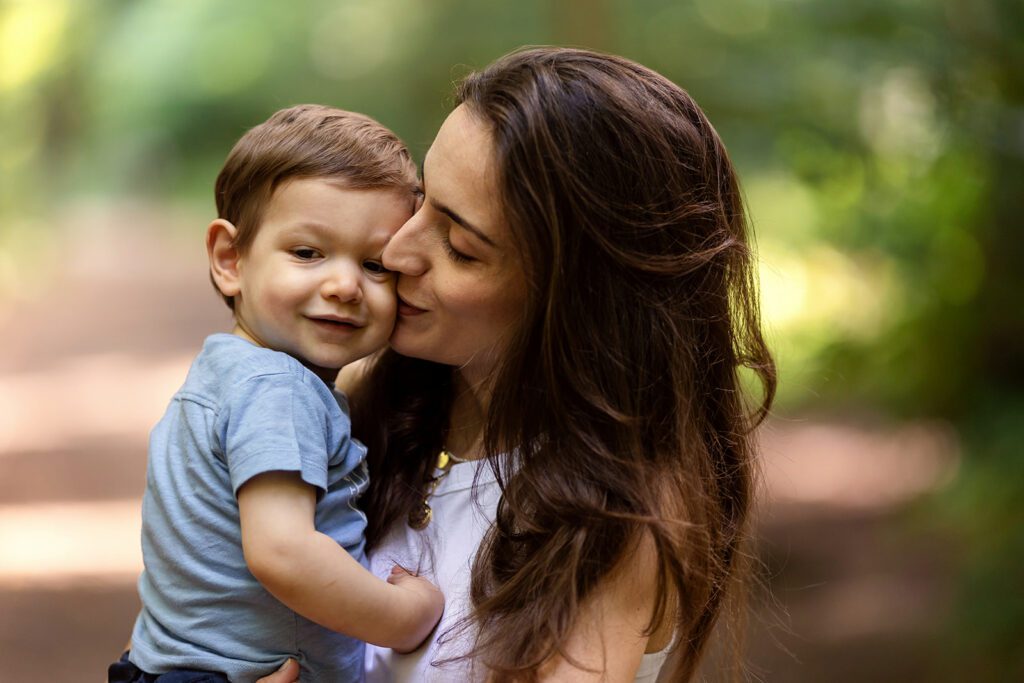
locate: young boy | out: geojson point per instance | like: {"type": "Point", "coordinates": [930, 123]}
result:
{"type": "Point", "coordinates": [252, 539]}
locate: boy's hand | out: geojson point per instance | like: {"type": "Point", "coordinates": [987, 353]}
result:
{"type": "Point", "coordinates": [288, 673]}
{"type": "Point", "coordinates": [426, 603]}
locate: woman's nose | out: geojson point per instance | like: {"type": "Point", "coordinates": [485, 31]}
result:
{"type": "Point", "coordinates": [343, 283]}
{"type": "Point", "coordinates": [405, 253]}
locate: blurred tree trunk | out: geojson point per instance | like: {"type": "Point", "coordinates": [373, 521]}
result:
{"type": "Point", "coordinates": [1001, 323]}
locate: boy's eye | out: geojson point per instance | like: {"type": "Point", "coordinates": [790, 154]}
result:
{"type": "Point", "coordinates": [375, 267]}
{"type": "Point", "coordinates": [305, 253]}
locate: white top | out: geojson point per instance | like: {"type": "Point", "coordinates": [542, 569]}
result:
{"type": "Point", "coordinates": [444, 552]}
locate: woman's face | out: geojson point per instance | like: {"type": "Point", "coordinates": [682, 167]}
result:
{"type": "Point", "coordinates": [461, 283]}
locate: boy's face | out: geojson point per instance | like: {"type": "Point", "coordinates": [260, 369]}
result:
{"type": "Point", "coordinates": [311, 283]}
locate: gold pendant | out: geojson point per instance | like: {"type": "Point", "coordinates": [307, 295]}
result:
{"type": "Point", "coordinates": [443, 459]}
{"type": "Point", "coordinates": [420, 517]}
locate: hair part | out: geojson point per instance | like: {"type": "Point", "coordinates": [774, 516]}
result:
{"type": "Point", "coordinates": [621, 388]}
{"type": "Point", "coordinates": [307, 141]}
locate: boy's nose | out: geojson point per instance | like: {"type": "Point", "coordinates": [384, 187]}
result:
{"type": "Point", "coordinates": [406, 252]}
{"type": "Point", "coordinates": [343, 284]}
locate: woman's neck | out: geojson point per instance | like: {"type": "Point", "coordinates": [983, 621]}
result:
{"type": "Point", "coordinates": [467, 419]}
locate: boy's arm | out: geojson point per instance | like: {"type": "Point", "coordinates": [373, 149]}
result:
{"type": "Point", "coordinates": [310, 573]}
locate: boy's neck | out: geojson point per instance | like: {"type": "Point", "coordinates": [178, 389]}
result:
{"type": "Point", "coordinates": [240, 331]}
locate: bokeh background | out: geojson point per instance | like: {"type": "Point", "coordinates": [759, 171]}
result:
{"type": "Point", "coordinates": [881, 144]}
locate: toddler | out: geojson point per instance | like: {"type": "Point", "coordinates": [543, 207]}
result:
{"type": "Point", "coordinates": [252, 537]}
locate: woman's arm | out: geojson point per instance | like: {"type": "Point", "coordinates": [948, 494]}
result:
{"type": "Point", "coordinates": [609, 637]}
{"type": "Point", "coordinates": [310, 573]}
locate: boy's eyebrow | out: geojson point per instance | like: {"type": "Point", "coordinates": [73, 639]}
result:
{"type": "Point", "coordinates": [307, 225]}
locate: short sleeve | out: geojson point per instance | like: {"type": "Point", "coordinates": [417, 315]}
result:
{"type": "Point", "coordinates": [275, 422]}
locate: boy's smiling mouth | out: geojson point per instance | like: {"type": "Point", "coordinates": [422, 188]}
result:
{"type": "Point", "coordinates": [336, 322]}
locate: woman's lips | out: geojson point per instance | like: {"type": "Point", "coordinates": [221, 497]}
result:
{"type": "Point", "coordinates": [406, 309]}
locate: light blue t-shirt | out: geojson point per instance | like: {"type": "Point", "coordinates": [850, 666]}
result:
{"type": "Point", "coordinates": [243, 411]}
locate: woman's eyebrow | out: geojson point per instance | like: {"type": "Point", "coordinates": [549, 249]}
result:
{"type": "Point", "coordinates": [448, 211]}
{"type": "Point", "coordinates": [462, 222]}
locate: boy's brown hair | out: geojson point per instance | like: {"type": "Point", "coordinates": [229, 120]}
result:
{"type": "Point", "coordinates": [307, 141]}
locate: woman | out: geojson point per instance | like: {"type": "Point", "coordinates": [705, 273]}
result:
{"type": "Point", "coordinates": [576, 301]}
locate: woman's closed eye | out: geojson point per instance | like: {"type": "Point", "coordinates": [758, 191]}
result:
{"type": "Point", "coordinates": [453, 253]}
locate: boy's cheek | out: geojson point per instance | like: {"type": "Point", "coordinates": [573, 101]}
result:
{"type": "Point", "coordinates": [386, 304]}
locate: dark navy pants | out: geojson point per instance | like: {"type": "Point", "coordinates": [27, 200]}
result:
{"type": "Point", "coordinates": [123, 671]}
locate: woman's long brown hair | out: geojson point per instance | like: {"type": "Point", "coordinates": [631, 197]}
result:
{"type": "Point", "coordinates": [622, 385]}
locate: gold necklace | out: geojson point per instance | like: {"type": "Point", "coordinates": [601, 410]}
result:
{"type": "Point", "coordinates": [421, 515]}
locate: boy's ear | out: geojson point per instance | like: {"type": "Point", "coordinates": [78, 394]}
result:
{"type": "Point", "coordinates": [224, 256]}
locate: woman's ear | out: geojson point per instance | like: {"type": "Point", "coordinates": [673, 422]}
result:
{"type": "Point", "coordinates": [224, 256]}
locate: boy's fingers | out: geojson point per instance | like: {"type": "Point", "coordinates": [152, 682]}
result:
{"type": "Point", "coordinates": [398, 574]}
{"type": "Point", "coordinates": [287, 673]}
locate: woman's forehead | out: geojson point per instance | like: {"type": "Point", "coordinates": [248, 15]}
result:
{"type": "Point", "coordinates": [459, 170]}
{"type": "Point", "coordinates": [463, 145]}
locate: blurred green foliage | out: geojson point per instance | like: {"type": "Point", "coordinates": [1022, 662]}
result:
{"type": "Point", "coordinates": [881, 143]}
